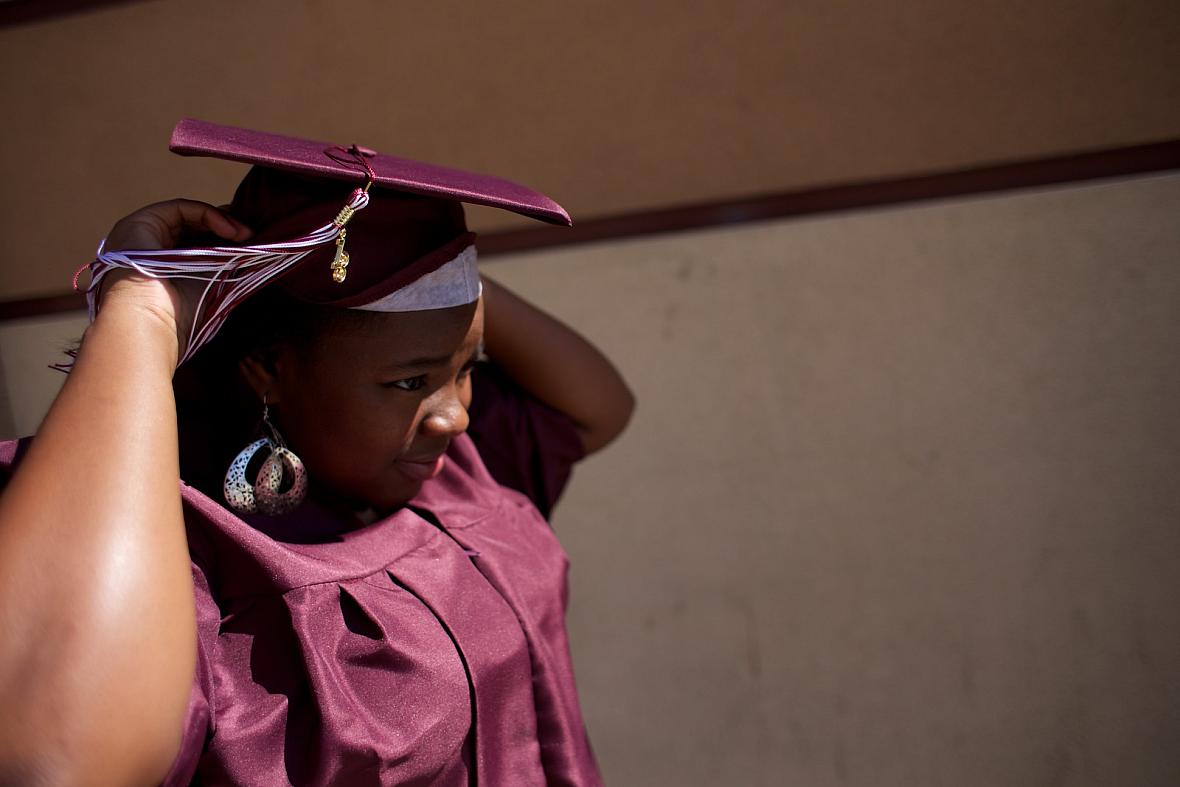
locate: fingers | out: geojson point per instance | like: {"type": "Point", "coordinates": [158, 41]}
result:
{"type": "Point", "coordinates": [163, 224]}
{"type": "Point", "coordinates": [193, 215]}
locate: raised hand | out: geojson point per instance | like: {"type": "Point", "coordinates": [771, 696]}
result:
{"type": "Point", "coordinates": [164, 225]}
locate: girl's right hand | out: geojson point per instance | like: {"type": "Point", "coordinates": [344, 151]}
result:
{"type": "Point", "coordinates": [161, 226]}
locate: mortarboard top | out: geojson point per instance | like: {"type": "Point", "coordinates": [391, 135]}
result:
{"type": "Point", "coordinates": [408, 247]}
{"type": "Point", "coordinates": [329, 160]}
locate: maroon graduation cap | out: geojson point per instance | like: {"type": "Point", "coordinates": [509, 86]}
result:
{"type": "Point", "coordinates": [340, 225]}
{"type": "Point", "coordinates": [342, 163]}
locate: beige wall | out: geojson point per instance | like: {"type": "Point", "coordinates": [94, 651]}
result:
{"type": "Point", "coordinates": [27, 348]}
{"type": "Point", "coordinates": [610, 106]}
{"type": "Point", "coordinates": [899, 505]}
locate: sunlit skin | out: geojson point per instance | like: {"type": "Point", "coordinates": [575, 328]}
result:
{"type": "Point", "coordinates": [374, 400]}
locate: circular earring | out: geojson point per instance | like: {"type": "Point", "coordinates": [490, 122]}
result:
{"type": "Point", "coordinates": [281, 483]}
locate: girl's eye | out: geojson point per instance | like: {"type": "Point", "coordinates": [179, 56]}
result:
{"type": "Point", "coordinates": [408, 384]}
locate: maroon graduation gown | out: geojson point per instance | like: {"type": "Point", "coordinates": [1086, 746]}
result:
{"type": "Point", "coordinates": [428, 648]}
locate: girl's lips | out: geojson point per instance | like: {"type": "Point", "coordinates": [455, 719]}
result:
{"type": "Point", "coordinates": [424, 470]}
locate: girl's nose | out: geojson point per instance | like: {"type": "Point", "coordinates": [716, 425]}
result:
{"type": "Point", "coordinates": [446, 414]}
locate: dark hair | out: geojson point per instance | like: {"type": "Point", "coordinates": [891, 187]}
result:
{"type": "Point", "coordinates": [218, 413]}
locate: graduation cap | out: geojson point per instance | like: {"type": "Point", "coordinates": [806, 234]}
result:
{"type": "Point", "coordinates": [336, 225]}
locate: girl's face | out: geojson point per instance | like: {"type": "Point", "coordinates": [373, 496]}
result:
{"type": "Point", "coordinates": [372, 403]}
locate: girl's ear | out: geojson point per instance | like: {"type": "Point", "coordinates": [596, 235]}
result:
{"type": "Point", "coordinates": [260, 372]}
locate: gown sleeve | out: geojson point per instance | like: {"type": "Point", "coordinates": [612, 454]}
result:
{"type": "Point", "coordinates": [198, 719]}
{"type": "Point", "coordinates": [526, 445]}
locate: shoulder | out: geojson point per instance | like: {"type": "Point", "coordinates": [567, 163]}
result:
{"type": "Point", "coordinates": [526, 445]}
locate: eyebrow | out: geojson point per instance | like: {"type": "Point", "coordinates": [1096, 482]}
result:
{"type": "Point", "coordinates": [430, 361]}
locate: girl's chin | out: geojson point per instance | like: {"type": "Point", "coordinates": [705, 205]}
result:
{"type": "Point", "coordinates": [390, 499]}
{"type": "Point", "coordinates": [383, 501]}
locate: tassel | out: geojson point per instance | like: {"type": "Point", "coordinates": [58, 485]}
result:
{"type": "Point", "coordinates": [232, 273]}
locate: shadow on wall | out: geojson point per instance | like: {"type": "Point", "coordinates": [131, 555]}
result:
{"type": "Point", "coordinates": [27, 383]}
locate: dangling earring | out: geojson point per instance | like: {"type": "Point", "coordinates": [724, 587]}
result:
{"type": "Point", "coordinates": [263, 496]}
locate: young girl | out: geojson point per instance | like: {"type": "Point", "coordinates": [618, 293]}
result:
{"type": "Point", "coordinates": [350, 495]}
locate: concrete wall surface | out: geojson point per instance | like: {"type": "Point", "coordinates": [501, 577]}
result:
{"type": "Point", "coordinates": [27, 348]}
{"type": "Point", "coordinates": [612, 106]}
{"type": "Point", "coordinates": [899, 505]}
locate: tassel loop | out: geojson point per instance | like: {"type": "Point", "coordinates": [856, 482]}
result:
{"type": "Point", "coordinates": [231, 273]}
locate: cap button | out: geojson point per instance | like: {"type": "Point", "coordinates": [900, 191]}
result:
{"type": "Point", "coordinates": [362, 150]}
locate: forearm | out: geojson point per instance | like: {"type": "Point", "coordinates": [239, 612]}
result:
{"type": "Point", "coordinates": [96, 604]}
{"type": "Point", "coordinates": [555, 365]}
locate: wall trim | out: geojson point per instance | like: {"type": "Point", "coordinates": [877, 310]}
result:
{"type": "Point", "coordinates": [1111, 163]}
{"type": "Point", "coordinates": [19, 12]}
{"type": "Point", "coordinates": [1057, 170]}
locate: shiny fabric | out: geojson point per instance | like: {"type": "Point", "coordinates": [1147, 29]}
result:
{"type": "Point", "coordinates": [524, 444]}
{"type": "Point", "coordinates": [193, 137]}
{"type": "Point", "coordinates": [427, 648]}
{"type": "Point", "coordinates": [366, 658]}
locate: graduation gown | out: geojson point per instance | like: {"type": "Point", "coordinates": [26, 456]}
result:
{"type": "Point", "coordinates": [427, 648]}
